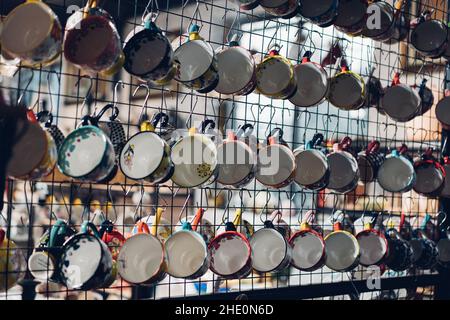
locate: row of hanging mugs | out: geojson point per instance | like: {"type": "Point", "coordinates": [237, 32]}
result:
{"type": "Point", "coordinates": [97, 149]}
{"type": "Point", "coordinates": [148, 55]}
{"type": "Point", "coordinates": [94, 257]}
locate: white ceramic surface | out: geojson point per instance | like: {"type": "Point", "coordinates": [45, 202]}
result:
{"type": "Point", "coordinates": [312, 85]}
{"type": "Point", "coordinates": [395, 174]}
{"type": "Point", "coordinates": [142, 61]}
{"type": "Point", "coordinates": [97, 40]}
{"type": "Point", "coordinates": [400, 101]}
{"type": "Point", "coordinates": [311, 166]}
{"type": "Point", "coordinates": [236, 162]}
{"type": "Point", "coordinates": [429, 35]}
{"type": "Point", "coordinates": [276, 163]}
{"type": "Point", "coordinates": [275, 77]}
{"type": "Point", "coordinates": [342, 250]}
{"type": "Point", "coordinates": [230, 257]}
{"type": "Point", "coordinates": [41, 266]}
{"type": "Point", "coordinates": [268, 249]}
{"type": "Point", "coordinates": [373, 248]}
{"type": "Point", "coordinates": [345, 91]}
{"type": "Point", "coordinates": [307, 251]}
{"type": "Point", "coordinates": [343, 169]}
{"type": "Point", "coordinates": [195, 58]}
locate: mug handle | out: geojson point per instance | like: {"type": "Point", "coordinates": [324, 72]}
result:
{"type": "Point", "coordinates": [104, 109]}
{"type": "Point", "coordinates": [106, 227]}
{"type": "Point", "coordinates": [345, 143]}
{"type": "Point", "coordinates": [154, 228]}
{"type": "Point", "coordinates": [271, 139]}
{"type": "Point", "coordinates": [87, 225]}
{"type": "Point", "coordinates": [373, 146]}
{"type": "Point", "coordinates": [161, 118]}
{"type": "Point", "coordinates": [237, 217]}
{"type": "Point", "coordinates": [142, 227]}
{"type": "Point", "coordinates": [58, 228]}
{"type": "Point", "coordinates": [207, 124]}
{"type": "Point", "coordinates": [244, 130]}
{"type": "Point", "coordinates": [197, 218]}
{"type": "Point", "coordinates": [396, 79]}
{"type": "Point", "coordinates": [316, 140]}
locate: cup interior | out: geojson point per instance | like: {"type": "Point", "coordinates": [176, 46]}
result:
{"type": "Point", "coordinates": [307, 250]}
{"type": "Point", "coordinates": [276, 163]}
{"type": "Point", "coordinates": [395, 174]}
{"type": "Point", "coordinates": [343, 168]}
{"type": "Point", "coordinates": [236, 68]}
{"type": "Point", "coordinates": [311, 167]}
{"type": "Point", "coordinates": [342, 250]}
{"type": "Point", "coordinates": [236, 162]}
{"type": "Point", "coordinates": [195, 58]}
{"type": "Point", "coordinates": [312, 85]}
{"type": "Point", "coordinates": [429, 35]}
{"type": "Point", "coordinates": [313, 9]}
{"type": "Point", "coordinates": [373, 248]}
{"type": "Point", "coordinates": [269, 249]}
{"type": "Point", "coordinates": [346, 91]}
{"type": "Point", "coordinates": [400, 101]}
{"type": "Point", "coordinates": [229, 254]}
{"type": "Point", "coordinates": [274, 76]}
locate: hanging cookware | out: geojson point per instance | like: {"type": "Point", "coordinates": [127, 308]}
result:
{"type": "Point", "coordinates": [373, 244]}
{"type": "Point", "coordinates": [230, 252]}
{"type": "Point", "coordinates": [275, 163]}
{"type": "Point", "coordinates": [34, 153]}
{"type": "Point", "coordinates": [148, 54]}
{"type": "Point", "coordinates": [86, 262]}
{"type": "Point", "coordinates": [187, 252]}
{"type": "Point", "coordinates": [280, 8]}
{"type": "Point", "coordinates": [146, 156]}
{"type": "Point", "coordinates": [271, 252]}
{"type": "Point", "coordinates": [347, 90]}
{"type": "Point", "coordinates": [312, 165]}
{"type": "Point", "coordinates": [12, 263]}
{"type": "Point", "coordinates": [429, 36]}
{"type": "Point", "coordinates": [400, 252]}
{"type": "Point", "coordinates": [341, 248]}
{"type": "Point", "coordinates": [43, 263]}
{"type": "Point", "coordinates": [87, 153]}
{"type": "Point", "coordinates": [237, 70]}
{"type": "Point", "coordinates": [430, 175]}
{"type": "Point", "coordinates": [397, 174]}
{"type": "Point", "coordinates": [237, 160]}
{"type": "Point", "coordinates": [195, 158]}
{"type": "Point", "coordinates": [400, 102]}
{"type": "Point", "coordinates": [32, 32]}
{"type": "Point", "coordinates": [312, 83]}
{"type": "Point", "coordinates": [275, 76]}
{"type": "Point", "coordinates": [443, 110]}
{"type": "Point", "coordinates": [443, 245]}
{"type": "Point", "coordinates": [320, 12]}
{"type": "Point", "coordinates": [344, 172]}
{"type": "Point", "coordinates": [196, 63]}
{"type": "Point", "coordinates": [352, 16]}
{"type": "Point", "coordinates": [92, 42]}
{"type": "Point", "coordinates": [369, 161]}
{"type": "Point", "coordinates": [308, 246]}
{"type": "Point", "coordinates": [401, 26]}
{"type": "Point", "coordinates": [424, 250]}
{"type": "Point", "coordinates": [112, 237]}
{"type": "Point", "coordinates": [141, 258]}
{"type": "Point", "coordinates": [247, 4]}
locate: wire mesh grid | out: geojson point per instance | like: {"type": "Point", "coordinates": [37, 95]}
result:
{"type": "Point", "coordinates": [33, 206]}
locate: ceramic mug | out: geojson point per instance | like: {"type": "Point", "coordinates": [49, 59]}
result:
{"type": "Point", "coordinates": [12, 263]}
{"type": "Point", "coordinates": [32, 32]}
{"type": "Point", "coordinates": [344, 171]}
{"type": "Point", "coordinates": [204, 227]}
{"type": "Point", "coordinates": [369, 161]}
{"type": "Point", "coordinates": [275, 76]}
{"type": "Point", "coordinates": [187, 252]}
{"type": "Point", "coordinates": [86, 262]}
{"type": "Point", "coordinates": [112, 237]}
{"type": "Point", "coordinates": [237, 70]}
{"type": "Point", "coordinates": [308, 246]}
{"type": "Point", "coordinates": [400, 252]}
{"type": "Point", "coordinates": [352, 16]}
{"type": "Point", "coordinates": [43, 263]}
{"type": "Point", "coordinates": [276, 162]}
{"type": "Point", "coordinates": [148, 54]}
{"type": "Point", "coordinates": [397, 174]}
{"type": "Point", "coordinates": [230, 252]}
{"type": "Point", "coordinates": [196, 63]}
{"type": "Point", "coordinates": [141, 258]}
{"type": "Point", "coordinates": [87, 153]}
{"type": "Point", "coordinates": [400, 101]}
{"type": "Point", "coordinates": [146, 156]}
{"type": "Point", "coordinates": [247, 4]}
{"type": "Point", "coordinates": [443, 110]}
{"type": "Point", "coordinates": [429, 36]}
{"type": "Point", "coordinates": [312, 83]}
{"type": "Point", "coordinates": [280, 8]}
{"type": "Point", "coordinates": [195, 158]}
{"type": "Point", "coordinates": [425, 252]}
{"type": "Point", "coordinates": [347, 90]}
{"type": "Point", "coordinates": [313, 171]}
{"type": "Point", "coordinates": [445, 192]}
{"type": "Point", "coordinates": [373, 244]}
{"type": "Point", "coordinates": [271, 252]}
{"type": "Point", "coordinates": [322, 12]}
{"type": "Point", "coordinates": [430, 175]}
{"type": "Point", "coordinates": [342, 249]}
{"type": "Point", "coordinates": [88, 26]}
{"type": "Point", "coordinates": [236, 158]}
{"type": "Point", "coordinates": [374, 90]}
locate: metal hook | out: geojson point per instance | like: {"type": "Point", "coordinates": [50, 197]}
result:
{"type": "Point", "coordinates": [307, 121]}
{"type": "Point", "coordinates": [19, 100]}
{"type": "Point", "coordinates": [111, 199]}
{"type": "Point", "coordinates": [142, 191]}
{"type": "Point", "coordinates": [149, 10]}
{"type": "Point", "coordinates": [268, 196]}
{"type": "Point", "coordinates": [116, 87]}
{"type": "Point", "coordinates": [147, 96]}
{"type": "Point", "coordinates": [236, 18]}
{"type": "Point", "coordinates": [49, 86]}
{"type": "Point", "coordinates": [230, 197]}
{"type": "Point", "coordinates": [229, 115]}
{"type": "Point", "coordinates": [327, 121]}
{"type": "Point", "coordinates": [86, 97]}
{"type": "Point", "coordinates": [184, 207]}
{"type": "Point", "coordinates": [191, 113]}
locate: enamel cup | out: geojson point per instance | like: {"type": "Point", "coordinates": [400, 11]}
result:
{"type": "Point", "coordinates": [352, 16]}
{"type": "Point", "coordinates": [397, 173]}
{"type": "Point", "coordinates": [312, 171]}
{"type": "Point", "coordinates": [12, 263]}
{"type": "Point", "coordinates": [247, 4]}
{"type": "Point", "coordinates": [86, 262]}
{"type": "Point", "coordinates": [187, 252]}
{"type": "Point", "coordinates": [195, 158]}
{"type": "Point", "coordinates": [320, 12]}
{"type": "Point", "coordinates": [46, 118]}
{"type": "Point", "coordinates": [373, 244]}
{"type": "Point", "coordinates": [112, 237]}
{"type": "Point", "coordinates": [429, 36]}
{"type": "Point", "coordinates": [237, 70]}
{"type": "Point", "coordinates": [312, 83]}
{"type": "Point", "coordinates": [92, 42]}
{"type": "Point", "coordinates": [344, 171]}
{"type": "Point", "coordinates": [430, 175]}
{"type": "Point", "coordinates": [148, 54]}
{"type": "Point", "coordinates": [236, 158]}
{"type": "Point", "coordinates": [275, 76]}
{"type": "Point", "coordinates": [146, 156]}
{"type": "Point", "coordinates": [280, 8]}
{"type": "Point", "coordinates": [276, 162]}
{"type": "Point", "coordinates": [32, 33]}
{"type": "Point", "coordinates": [369, 161]}
{"type": "Point", "coordinates": [308, 247]}
{"type": "Point", "coordinates": [87, 153]}
{"type": "Point", "coordinates": [342, 249]}
{"type": "Point", "coordinates": [230, 252]}
{"type": "Point", "coordinates": [141, 258]}
{"type": "Point", "coordinates": [400, 251]}
{"type": "Point", "coordinates": [347, 90]}
{"type": "Point", "coordinates": [196, 63]}
{"type": "Point", "coordinates": [425, 252]}
{"type": "Point", "coordinates": [271, 252]}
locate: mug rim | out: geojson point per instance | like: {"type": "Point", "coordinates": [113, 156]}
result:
{"type": "Point", "coordinates": [212, 62]}
{"type": "Point", "coordinates": [300, 150]}
{"type": "Point", "coordinates": [291, 175]}
{"type": "Point", "coordinates": [323, 73]}
{"type": "Point", "coordinates": [380, 235]}
{"type": "Point", "coordinates": [321, 261]}
{"type": "Point", "coordinates": [355, 242]}
{"type": "Point", "coordinates": [279, 94]}
{"type": "Point", "coordinates": [413, 37]}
